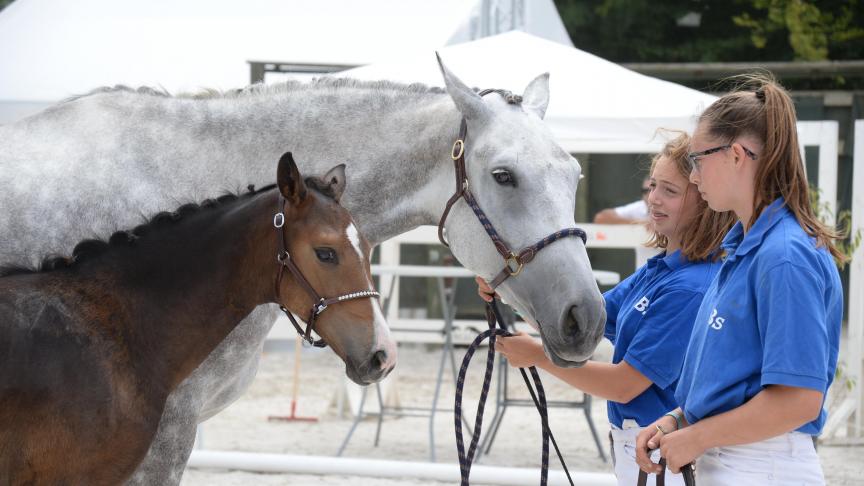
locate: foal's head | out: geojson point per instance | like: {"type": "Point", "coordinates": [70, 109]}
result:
{"type": "Point", "coordinates": [324, 243]}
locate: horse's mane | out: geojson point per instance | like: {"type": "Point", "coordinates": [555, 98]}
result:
{"type": "Point", "coordinates": [271, 89]}
{"type": "Point", "coordinates": [94, 247]}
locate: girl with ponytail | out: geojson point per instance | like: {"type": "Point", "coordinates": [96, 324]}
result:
{"type": "Point", "coordinates": [764, 345]}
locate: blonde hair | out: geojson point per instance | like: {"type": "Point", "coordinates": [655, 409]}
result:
{"type": "Point", "coordinates": [702, 235]}
{"type": "Point", "coordinates": [761, 108]}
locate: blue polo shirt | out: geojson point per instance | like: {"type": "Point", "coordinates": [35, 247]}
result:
{"type": "Point", "coordinates": [649, 318]}
{"type": "Point", "coordinates": [771, 317]}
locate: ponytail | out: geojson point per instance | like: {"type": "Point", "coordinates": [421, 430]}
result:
{"type": "Point", "coordinates": [761, 108]}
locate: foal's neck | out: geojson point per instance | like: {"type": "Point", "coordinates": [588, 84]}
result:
{"type": "Point", "coordinates": [185, 287]}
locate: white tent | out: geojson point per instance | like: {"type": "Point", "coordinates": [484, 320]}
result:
{"type": "Point", "coordinates": [56, 48]}
{"type": "Point", "coordinates": [595, 105]}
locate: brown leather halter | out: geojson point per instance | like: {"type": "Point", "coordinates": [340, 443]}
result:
{"type": "Point", "coordinates": [513, 262]}
{"type": "Point", "coordinates": [285, 261]}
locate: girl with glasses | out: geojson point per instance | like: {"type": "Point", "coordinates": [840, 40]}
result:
{"type": "Point", "coordinates": [649, 315]}
{"type": "Point", "coordinates": [764, 347]}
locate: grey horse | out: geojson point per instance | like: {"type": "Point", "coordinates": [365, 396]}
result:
{"type": "Point", "coordinates": [64, 170]}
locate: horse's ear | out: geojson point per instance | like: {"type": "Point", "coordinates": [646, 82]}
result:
{"type": "Point", "coordinates": [535, 99]}
{"type": "Point", "coordinates": [335, 178]}
{"type": "Point", "coordinates": [469, 103]}
{"type": "Point", "coordinates": [288, 178]}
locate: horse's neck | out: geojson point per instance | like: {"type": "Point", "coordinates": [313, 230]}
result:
{"type": "Point", "coordinates": [397, 150]}
{"type": "Point", "coordinates": [396, 145]}
{"type": "Point", "coordinates": [193, 283]}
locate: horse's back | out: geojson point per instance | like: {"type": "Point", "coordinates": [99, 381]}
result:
{"type": "Point", "coordinates": [76, 170]}
{"type": "Point", "coordinates": [97, 164]}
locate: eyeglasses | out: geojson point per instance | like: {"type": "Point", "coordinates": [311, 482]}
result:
{"type": "Point", "coordinates": [693, 157]}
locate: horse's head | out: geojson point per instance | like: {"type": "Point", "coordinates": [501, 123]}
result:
{"type": "Point", "coordinates": [526, 185]}
{"type": "Point", "coordinates": [334, 258]}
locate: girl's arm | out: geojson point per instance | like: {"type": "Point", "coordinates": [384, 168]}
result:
{"type": "Point", "coordinates": [617, 382]}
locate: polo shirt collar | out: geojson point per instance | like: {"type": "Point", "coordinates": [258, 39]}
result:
{"type": "Point", "coordinates": [672, 261]}
{"type": "Point", "coordinates": [738, 244]}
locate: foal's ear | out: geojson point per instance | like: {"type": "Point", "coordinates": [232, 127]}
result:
{"type": "Point", "coordinates": [290, 183]}
{"type": "Point", "coordinates": [335, 179]}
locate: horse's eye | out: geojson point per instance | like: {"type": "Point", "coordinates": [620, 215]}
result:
{"type": "Point", "coordinates": [504, 177]}
{"type": "Point", "coordinates": [326, 255]}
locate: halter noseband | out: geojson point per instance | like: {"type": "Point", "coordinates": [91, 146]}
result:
{"type": "Point", "coordinates": [321, 304]}
{"type": "Point", "coordinates": [513, 262]}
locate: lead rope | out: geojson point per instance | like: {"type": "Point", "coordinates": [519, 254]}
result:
{"type": "Point", "coordinates": [687, 471]}
{"type": "Point", "coordinates": [493, 315]}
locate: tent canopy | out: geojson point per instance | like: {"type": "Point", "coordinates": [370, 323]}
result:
{"type": "Point", "coordinates": [595, 105]}
{"type": "Point", "coordinates": [55, 48]}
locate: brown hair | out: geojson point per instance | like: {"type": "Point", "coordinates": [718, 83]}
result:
{"type": "Point", "coordinates": [761, 108]}
{"type": "Point", "coordinates": [701, 236]}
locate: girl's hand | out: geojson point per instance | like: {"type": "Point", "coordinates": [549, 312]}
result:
{"type": "Point", "coordinates": [650, 439]}
{"type": "Point", "coordinates": [520, 349]}
{"type": "Point", "coordinates": [681, 448]}
{"type": "Point", "coordinates": [484, 290]}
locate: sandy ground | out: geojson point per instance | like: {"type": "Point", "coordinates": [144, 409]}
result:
{"type": "Point", "coordinates": [244, 425]}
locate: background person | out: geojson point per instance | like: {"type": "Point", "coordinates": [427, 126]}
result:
{"type": "Point", "coordinates": [632, 213]}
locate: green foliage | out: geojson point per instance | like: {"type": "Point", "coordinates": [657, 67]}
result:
{"type": "Point", "coordinates": [811, 30]}
{"type": "Point", "coordinates": [5, 3]}
{"type": "Point", "coordinates": [841, 376]}
{"type": "Point", "coordinates": [728, 30]}
{"type": "Point", "coordinates": [849, 243]}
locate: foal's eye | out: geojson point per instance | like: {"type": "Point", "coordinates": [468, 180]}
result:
{"type": "Point", "coordinates": [504, 177]}
{"type": "Point", "coordinates": [326, 255]}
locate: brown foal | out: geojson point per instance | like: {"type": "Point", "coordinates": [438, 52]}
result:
{"type": "Point", "coordinates": [91, 346]}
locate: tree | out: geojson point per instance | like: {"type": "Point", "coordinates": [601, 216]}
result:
{"type": "Point", "coordinates": [716, 30]}
{"type": "Point", "coordinates": [811, 30]}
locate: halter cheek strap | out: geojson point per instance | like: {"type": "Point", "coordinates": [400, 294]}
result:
{"type": "Point", "coordinates": [321, 304]}
{"type": "Point", "coordinates": [513, 261]}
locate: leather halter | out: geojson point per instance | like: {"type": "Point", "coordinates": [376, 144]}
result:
{"type": "Point", "coordinates": [513, 261]}
{"type": "Point", "coordinates": [285, 261]}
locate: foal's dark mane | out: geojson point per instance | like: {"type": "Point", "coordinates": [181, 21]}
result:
{"type": "Point", "coordinates": [94, 247]}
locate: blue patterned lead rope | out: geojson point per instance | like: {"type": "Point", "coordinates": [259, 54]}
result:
{"type": "Point", "coordinates": [466, 460]}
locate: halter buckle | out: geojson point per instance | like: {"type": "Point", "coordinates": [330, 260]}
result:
{"type": "Point", "coordinates": [279, 220]}
{"type": "Point", "coordinates": [319, 307]}
{"type": "Point", "coordinates": [460, 145]}
{"type": "Point", "coordinates": [513, 259]}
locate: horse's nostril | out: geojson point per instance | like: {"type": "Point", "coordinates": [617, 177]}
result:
{"type": "Point", "coordinates": [571, 324]}
{"type": "Point", "coordinates": [378, 359]}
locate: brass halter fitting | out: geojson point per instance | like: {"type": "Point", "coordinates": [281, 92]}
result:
{"type": "Point", "coordinates": [457, 150]}
{"type": "Point", "coordinates": [510, 261]}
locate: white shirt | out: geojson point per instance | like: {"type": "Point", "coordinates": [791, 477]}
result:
{"type": "Point", "coordinates": [634, 210]}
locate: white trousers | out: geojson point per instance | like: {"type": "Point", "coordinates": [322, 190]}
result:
{"type": "Point", "coordinates": [789, 459]}
{"type": "Point", "coordinates": [624, 457]}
